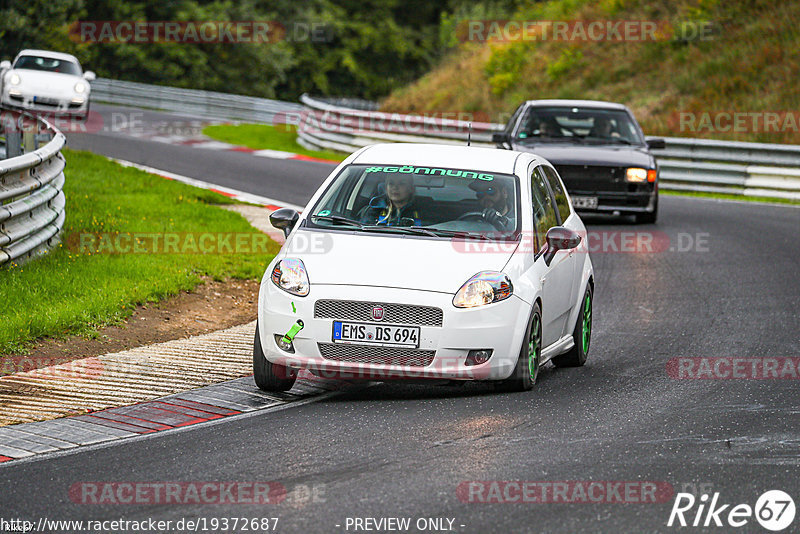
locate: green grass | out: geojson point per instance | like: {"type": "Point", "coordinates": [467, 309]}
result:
{"type": "Point", "coordinates": [725, 196]}
{"type": "Point", "coordinates": [261, 136]}
{"type": "Point", "coordinates": [73, 291]}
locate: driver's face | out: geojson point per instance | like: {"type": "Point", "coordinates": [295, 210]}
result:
{"type": "Point", "coordinates": [491, 198]}
{"type": "Point", "coordinates": [398, 190]}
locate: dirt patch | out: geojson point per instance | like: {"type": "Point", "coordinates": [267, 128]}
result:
{"type": "Point", "coordinates": [211, 306]}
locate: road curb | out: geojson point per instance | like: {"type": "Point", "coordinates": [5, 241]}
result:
{"type": "Point", "coordinates": [209, 404]}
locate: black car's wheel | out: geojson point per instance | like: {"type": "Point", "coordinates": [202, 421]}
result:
{"type": "Point", "coordinates": [270, 376]}
{"type": "Point", "coordinates": [530, 354]}
{"type": "Point", "coordinates": [582, 335]}
{"type": "Point", "coordinates": [648, 217]}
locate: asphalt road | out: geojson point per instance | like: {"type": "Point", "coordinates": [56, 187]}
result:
{"type": "Point", "coordinates": [402, 450]}
{"type": "Point", "coordinates": [124, 133]}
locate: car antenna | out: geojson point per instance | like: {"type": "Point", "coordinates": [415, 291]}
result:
{"type": "Point", "coordinates": [469, 133]}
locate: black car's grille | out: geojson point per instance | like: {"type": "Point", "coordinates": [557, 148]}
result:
{"type": "Point", "coordinates": [592, 178]}
{"type": "Point", "coordinates": [355, 310]}
{"type": "Point", "coordinates": [376, 355]}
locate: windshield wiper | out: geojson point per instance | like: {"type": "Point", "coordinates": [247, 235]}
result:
{"type": "Point", "coordinates": [416, 230]}
{"type": "Point", "coordinates": [338, 219]}
{"type": "Point", "coordinates": [457, 233]}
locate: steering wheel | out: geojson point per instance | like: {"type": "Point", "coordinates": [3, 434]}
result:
{"type": "Point", "coordinates": [480, 215]}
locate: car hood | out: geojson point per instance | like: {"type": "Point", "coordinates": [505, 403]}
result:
{"type": "Point", "coordinates": [51, 82]}
{"type": "Point", "coordinates": [395, 260]}
{"type": "Point", "coordinates": [605, 155]}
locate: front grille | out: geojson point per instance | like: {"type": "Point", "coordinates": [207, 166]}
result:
{"type": "Point", "coordinates": [376, 355]}
{"type": "Point", "coordinates": [352, 310]}
{"type": "Point", "coordinates": [589, 178]}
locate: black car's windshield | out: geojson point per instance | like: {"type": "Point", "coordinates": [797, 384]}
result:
{"type": "Point", "coordinates": [47, 64]}
{"type": "Point", "coordinates": [577, 125]}
{"type": "Point", "coordinates": [425, 201]}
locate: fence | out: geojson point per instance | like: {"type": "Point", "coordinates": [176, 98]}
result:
{"type": "Point", "coordinates": [206, 104]}
{"type": "Point", "coordinates": [758, 169]}
{"type": "Point", "coordinates": [31, 180]}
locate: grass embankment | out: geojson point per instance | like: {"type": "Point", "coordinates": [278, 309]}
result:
{"type": "Point", "coordinates": [266, 136]}
{"type": "Point", "coordinates": [73, 290]}
{"type": "Point", "coordinates": [749, 63]}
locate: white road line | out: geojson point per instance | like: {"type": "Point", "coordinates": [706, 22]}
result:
{"type": "Point", "coordinates": [234, 193]}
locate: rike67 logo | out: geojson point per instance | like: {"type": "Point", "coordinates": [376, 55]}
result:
{"type": "Point", "coordinates": [774, 510]}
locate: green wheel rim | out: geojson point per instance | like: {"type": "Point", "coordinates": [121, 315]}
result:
{"type": "Point", "coordinates": [534, 346]}
{"type": "Point", "coordinates": [586, 330]}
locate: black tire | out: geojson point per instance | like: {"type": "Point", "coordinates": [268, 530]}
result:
{"type": "Point", "coordinates": [576, 356]}
{"type": "Point", "coordinates": [648, 217]}
{"type": "Point", "coordinates": [530, 355]}
{"type": "Point", "coordinates": [270, 376]}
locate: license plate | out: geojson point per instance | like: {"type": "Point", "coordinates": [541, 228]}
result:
{"type": "Point", "coordinates": [585, 202]}
{"type": "Point", "coordinates": [376, 334]}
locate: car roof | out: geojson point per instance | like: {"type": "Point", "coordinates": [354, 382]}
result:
{"type": "Point", "coordinates": [448, 156]}
{"type": "Point", "coordinates": [599, 104]}
{"type": "Point", "coordinates": [48, 54]}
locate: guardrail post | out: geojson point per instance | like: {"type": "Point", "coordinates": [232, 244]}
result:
{"type": "Point", "coordinates": [13, 144]}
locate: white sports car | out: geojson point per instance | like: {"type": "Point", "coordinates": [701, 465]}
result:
{"type": "Point", "coordinates": [428, 261]}
{"type": "Point", "coordinates": [42, 81]}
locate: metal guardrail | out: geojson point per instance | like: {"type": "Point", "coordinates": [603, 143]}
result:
{"type": "Point", "coordinates": [207, 104]}
{"type": "Point", "coordinates": [31, 198]}
{"type": "Point", "coordinates": [756, 169]}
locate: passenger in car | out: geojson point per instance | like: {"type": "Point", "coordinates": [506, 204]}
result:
{"type": "Point", "coordinates": [394, 208]}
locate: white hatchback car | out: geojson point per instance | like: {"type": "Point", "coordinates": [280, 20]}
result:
{"type": "Point", "coordinates": [44, 81]}
{"type": "Point", "coordinates": [428, 262]}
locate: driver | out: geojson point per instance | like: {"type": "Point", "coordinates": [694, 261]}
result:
{"type": "Point", "coordinates": [394, 208]}
{"type": "Point", "coordinates": [602, 128]}
{"type": "Point", "coordinates": [496, 203]}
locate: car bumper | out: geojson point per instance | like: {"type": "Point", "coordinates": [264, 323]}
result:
{"type": "Point", "coordinates": [623, 202]}
{"type": "Point", "coordinates": [33, 104]}
{"type": "Point", "coordinates": [499, 327]}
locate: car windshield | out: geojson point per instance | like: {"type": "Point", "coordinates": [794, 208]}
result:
{"type": "Point", "coordinates": [429, 201]}
{"type": "Point", "coordinates": [47, 64]}
{"type": "Point", "coordinates": [578, 125]}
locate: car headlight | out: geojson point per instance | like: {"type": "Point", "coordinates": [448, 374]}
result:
{"type": "Point", "coordinates": [483, 288]}
{"type": "Point", "coordinates": [14, 79]}
{"type": "Point", "coordinates": [290, 275]}
{"type": "Point", "coordinates": [80, 87]}
{"type": "Point", "coordinates": [639, 175]}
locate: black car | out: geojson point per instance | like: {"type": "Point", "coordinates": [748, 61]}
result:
{"type": "Point", "coordinates": [598, 149]}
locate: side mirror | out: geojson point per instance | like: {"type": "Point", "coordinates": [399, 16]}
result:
{"type": "Point", "coordinates": [89, 76]}
{"type": "Point", "coordinates": [500, 138]}
{"type": "Point", "coordinates": [5, 65]}
{"type": "Point", "coordinates": [656, 143]}
{"type": "Point", "coordinates": [284, 219]}
{"type": "Point", "coordinates": [560, 238]}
